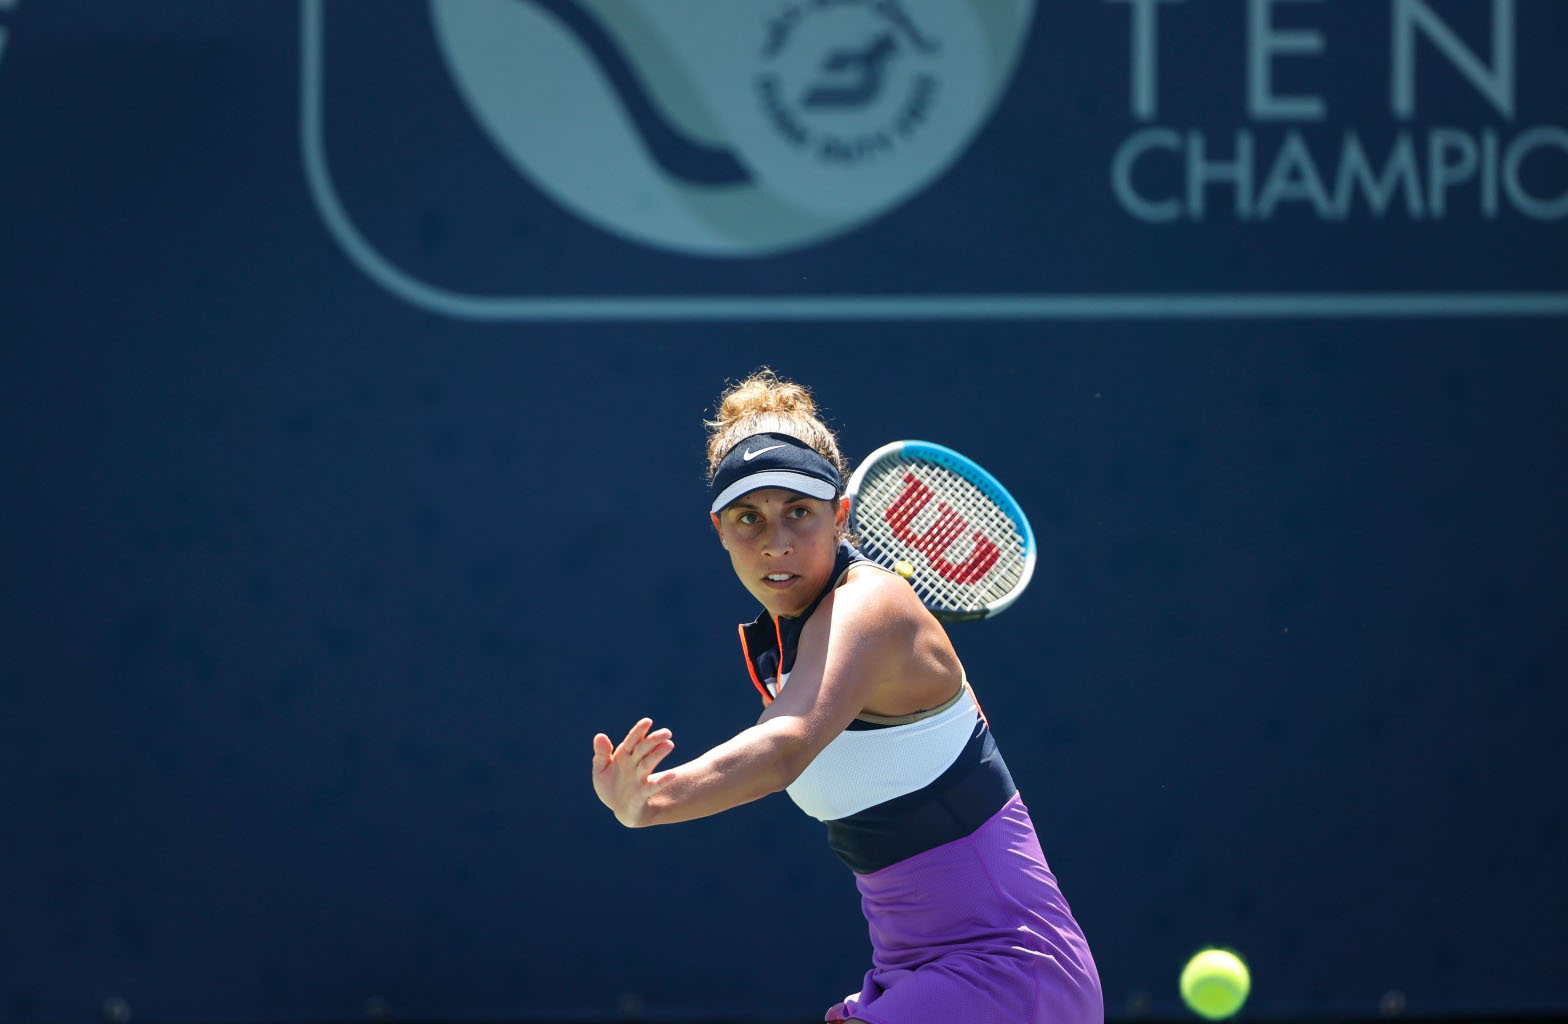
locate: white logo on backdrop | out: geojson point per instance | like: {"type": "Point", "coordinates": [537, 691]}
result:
{"type": "Point", "coordinates": [740, 128]}
{"type": "Point", "coordinates": [730, 128]}
{"type": "Point", "coordinates": [1296, 153]}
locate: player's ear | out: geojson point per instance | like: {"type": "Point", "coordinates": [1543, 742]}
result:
{"type": "Point", "coordinates": [715, 517]}
{"type": "Point", "coordinates": [842, 519]}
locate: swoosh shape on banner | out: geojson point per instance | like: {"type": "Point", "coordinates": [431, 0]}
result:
{"type": "Point", "coordinates": [676, 154]}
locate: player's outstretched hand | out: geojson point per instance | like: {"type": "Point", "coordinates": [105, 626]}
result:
{"type": "Point", "coordinates": [622, 775]}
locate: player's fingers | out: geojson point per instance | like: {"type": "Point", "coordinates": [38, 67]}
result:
{"type": "Point", "coordinates": [658, 753]}
{"type": "Point", "coordinates": [647, 749]}
{"type": "Point", "coordinates": [602, 750]}
{"type": "Point", "coordinates": [648, 742]}
{"type": "Point", "coordinates": [637, 732]}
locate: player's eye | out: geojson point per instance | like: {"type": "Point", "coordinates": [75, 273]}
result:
{"type": "Point", "coordinates": [748, 518]}
{"type": "Point", "coordinates": [799, 512]}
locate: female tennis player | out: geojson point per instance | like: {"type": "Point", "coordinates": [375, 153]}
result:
{"type": "Point", "coordinates": [870, 725]}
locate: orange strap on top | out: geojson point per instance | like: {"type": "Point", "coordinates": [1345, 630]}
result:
{"type": "Point", "coordinates": [978, 708]}
{"type": "Point", "coordinates": [778, 680]}
{"type": "Point", "coordinates": [767, 698]}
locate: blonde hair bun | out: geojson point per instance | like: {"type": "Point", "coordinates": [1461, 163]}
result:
{"type": "Point", "coordinates": [767, 403]}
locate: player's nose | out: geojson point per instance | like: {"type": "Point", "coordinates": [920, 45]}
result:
{"type": "Point", "coordinates": [777, 540]}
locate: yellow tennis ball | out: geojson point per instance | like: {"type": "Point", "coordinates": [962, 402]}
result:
{"type": "Point", "coordinates": [1215, 983]}
{"type": "Point", "coordinates": [903, 568]}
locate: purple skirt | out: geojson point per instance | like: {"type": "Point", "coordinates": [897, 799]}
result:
{"type": "Point", "coordinates": [976, 931]}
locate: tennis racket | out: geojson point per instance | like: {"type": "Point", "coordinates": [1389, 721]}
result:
{"type": "Point", "coordinates": [941, 521]}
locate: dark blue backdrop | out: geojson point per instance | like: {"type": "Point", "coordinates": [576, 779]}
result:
{"type": "Point", "coordinates": [312, 604]}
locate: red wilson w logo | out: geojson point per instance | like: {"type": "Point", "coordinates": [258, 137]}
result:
{"type": "Point", "coordinates": [940, 536]}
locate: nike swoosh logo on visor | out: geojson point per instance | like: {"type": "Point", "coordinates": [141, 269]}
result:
{"type": "Point", "coordinates": [748, 454]}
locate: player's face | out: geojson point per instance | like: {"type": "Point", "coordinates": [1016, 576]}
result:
{"type": "Point", "coordinates": [782, 545]}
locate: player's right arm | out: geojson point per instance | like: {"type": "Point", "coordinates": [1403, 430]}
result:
{"type": "Point", "coordinates": [855, 638]}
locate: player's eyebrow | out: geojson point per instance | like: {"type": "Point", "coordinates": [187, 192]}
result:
{"type": "Point", "coordinates": [790, 498]}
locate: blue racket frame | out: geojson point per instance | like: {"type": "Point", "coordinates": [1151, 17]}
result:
{"type": "Point", "coordinates": [978, 475]}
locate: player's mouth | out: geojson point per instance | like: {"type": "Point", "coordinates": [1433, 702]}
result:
{"type": "Point", "coordinates": [779, 580]}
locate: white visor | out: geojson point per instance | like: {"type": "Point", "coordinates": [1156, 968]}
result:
{"type": "Point", "coordinates": [800, 483]}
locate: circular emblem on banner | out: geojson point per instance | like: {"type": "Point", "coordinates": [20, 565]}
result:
{"type": "Point", "coordinates": [730, 128]}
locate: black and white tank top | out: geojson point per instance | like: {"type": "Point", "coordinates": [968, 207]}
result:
{"type": "Point", "coordinates": [887, 788]}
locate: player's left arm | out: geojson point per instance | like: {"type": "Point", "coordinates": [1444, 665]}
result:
{"type": "Point", "coordinates": [856, 638]}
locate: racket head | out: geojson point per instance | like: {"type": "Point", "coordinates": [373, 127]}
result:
{"type": "Point", "coordinates": [968, 540]}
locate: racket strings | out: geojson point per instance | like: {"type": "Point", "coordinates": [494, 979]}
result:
{"type": "Point", "coordinates": [939, 516]}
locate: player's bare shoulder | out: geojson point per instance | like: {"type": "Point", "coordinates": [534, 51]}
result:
{"type": "Point", "coordinates": [885, 591]}
{"type": "Point", "coordinates": [920, 669]}
{"type": "Point", "coordinates": [881, 601]}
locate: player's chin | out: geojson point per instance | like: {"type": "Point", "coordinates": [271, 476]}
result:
{"type": "Point", "coordinates": [789, 602]}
